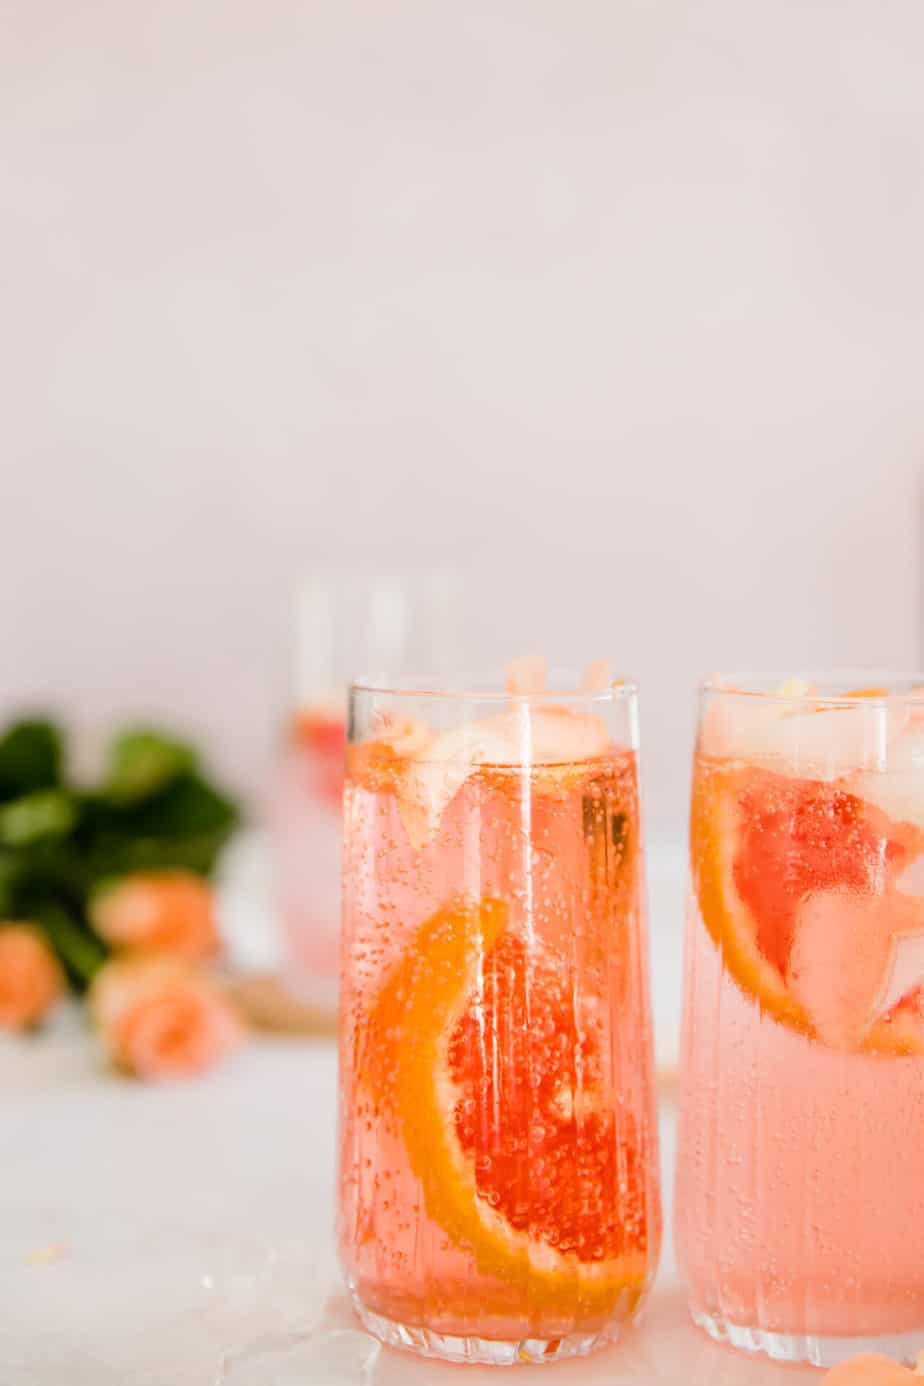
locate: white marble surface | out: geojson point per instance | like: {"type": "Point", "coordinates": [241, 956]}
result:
{"type": "Point", "coordinates": [149, 1231]}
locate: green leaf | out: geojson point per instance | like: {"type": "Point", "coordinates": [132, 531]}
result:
{"type": "Point", "coordinates": [190, 806]}
{"type": "Point", "coordinates": [186, 825]}
{"type": "Point", "coordinates": [50, 869]}
{"type": "Point", "coordinates": [81, 953]}
{"type": "Point", "coordinates": [30, 758]}
{"type": "Point", "coordinates": [11, 871]}
{"type": "Point", "coordinates": [43, 813]}
{"type": "Point", "coordinates": [142, 762]}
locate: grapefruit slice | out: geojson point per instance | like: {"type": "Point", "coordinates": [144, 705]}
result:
{"type": "Point", "coordinates": [762, 844]}
{"type": "Point", "coordinates": [873, 1370]}
{"type": "Point", "coordinates": [475, 1051]}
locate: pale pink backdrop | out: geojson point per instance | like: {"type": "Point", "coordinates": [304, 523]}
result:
{"type": "Point", "coordinates": [621, 305]}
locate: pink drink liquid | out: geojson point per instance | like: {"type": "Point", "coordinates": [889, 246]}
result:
{"type": "Point", "coordinates": [800, 1186]}
{"type": "Point", "coordinates": [307, 847]}
{"type": "Point", "coordinates": [498, 1186]}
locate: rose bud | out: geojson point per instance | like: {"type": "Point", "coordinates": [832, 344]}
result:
{"type": "Point", "coordinates": [169, 913]}
{"type": "Point", "coordinates": [160, 1019]}
{"type": "Point", "coordinates": [31, 980]}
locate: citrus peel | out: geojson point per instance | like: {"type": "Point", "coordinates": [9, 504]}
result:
{"type": "Point", "coordinates": [872, 1369]}
{"type": "Point", "coordinates": [769, 854]}
{"type": "Point", "coordinates": [407, 1067]}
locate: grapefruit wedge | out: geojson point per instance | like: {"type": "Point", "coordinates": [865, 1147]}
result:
{"type": "Point", "coordinates": [475, 1053]}
{"type": "Point", "coordinates": [763, 845]}
{"type": "Point", "coordinates": [873, 1370]}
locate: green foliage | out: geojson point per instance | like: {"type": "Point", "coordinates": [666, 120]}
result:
{"type": "Point", "coordinates": [78, 949]}
{"type": "Point", "coordinates": [184, 823]}
{"type": "Point", "coordinates": [30, 758]}
{"type": "Point", "coordinates": [32, 817]}
{"type": "Point", "coordinates": [154, 809]}
{"type": "Point", "coordinates": [142, 762]}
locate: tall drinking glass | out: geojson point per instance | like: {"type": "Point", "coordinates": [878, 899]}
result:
{"type": "Point", "coordinates": [345, 622]}
{"type": "Point", "coordinates": [800, 1184]}
{"type": "Point", "coordinates": [498, 1183]}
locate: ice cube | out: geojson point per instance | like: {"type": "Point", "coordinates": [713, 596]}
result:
{"type": "Point", "coordinates": [899, 789]}
{"type": "Point", "coordinates": [839, 962]}
{"type": "Point", "coordinates": [742, 725]}
{"type": "Point", "coordinates": [526, 735]}
{"type": "Point", "coordinates": [404, 735]}
{"type": "Point", "coordinates": [804, 738]}
{"type": "Point", "coordinates": [558, 736]}
{"type": "Point", "coordinates": [907, 970]}
{"type": "Point", "coordinates": [255, 1288]}
{"type": "Point", "coordinates": [331, 1357]}
{"type": "Point", "coordinates": [853, 958]}
{"type": "Point", "coordinates": [436, 775]}
{"type": "Point", "coordinates": [833, 741]}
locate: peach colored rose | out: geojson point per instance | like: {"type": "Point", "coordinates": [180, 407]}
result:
{"type": "Point", "coordinates": [30, 978]}
{"type": "Point", "coordinates": [159, 1019]}
{"type": "Point", "coordinates": [170, 913]}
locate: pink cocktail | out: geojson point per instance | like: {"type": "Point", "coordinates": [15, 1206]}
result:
{"type": "Point", "coordinates": [800, 1185]}
{"type": "Point", "coordinates": [345, 621]}
{"type": "Point", "coordinates": [498, 1184]}
{"type": "Point", "coordinates": [308, 840]}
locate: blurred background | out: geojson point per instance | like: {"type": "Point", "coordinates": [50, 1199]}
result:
{"type": "Point", "coordinates": [613, 311]}
{"type": "Point", "coordinates": [617, 309]}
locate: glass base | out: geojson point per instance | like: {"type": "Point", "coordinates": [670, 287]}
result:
{"type": "Point", "coordinates": [808, 1347]}
{"type": "Point", "coordinates": [427, 1342]}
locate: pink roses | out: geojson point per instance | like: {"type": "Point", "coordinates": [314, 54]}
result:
{"type": "Point", "coordinates": [30, 979]}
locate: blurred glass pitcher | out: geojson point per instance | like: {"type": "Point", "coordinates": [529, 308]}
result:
{"type": "Point", "coordinates": [346, 624]}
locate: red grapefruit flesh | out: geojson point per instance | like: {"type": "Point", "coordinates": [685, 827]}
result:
{"type": "Point", "coordinates": [500, 1102]}
{"type": "Point", "coordinates": [762, 845]}
{"type": "Point", "coordinates": [549, 1169]}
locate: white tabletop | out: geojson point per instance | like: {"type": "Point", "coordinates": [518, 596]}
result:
{"type": "Point", "coordinates": [149, 1231]}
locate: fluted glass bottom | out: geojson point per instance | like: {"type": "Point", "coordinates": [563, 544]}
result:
{"type": "Point", "coordinates": [428, 1342]}
{"type": "Point", "coordinates": [807, 1347]}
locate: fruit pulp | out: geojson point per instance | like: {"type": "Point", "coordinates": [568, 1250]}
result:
{"type": "Point", "coordinates": [800, 1201]}
{"type": "Point", "coordinates": [498, 1153]}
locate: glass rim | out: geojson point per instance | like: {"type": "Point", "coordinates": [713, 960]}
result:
{"type": "Point", "coordinates": [463, 688]}
{"type": "Point", "coordinates": [862, 687]}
